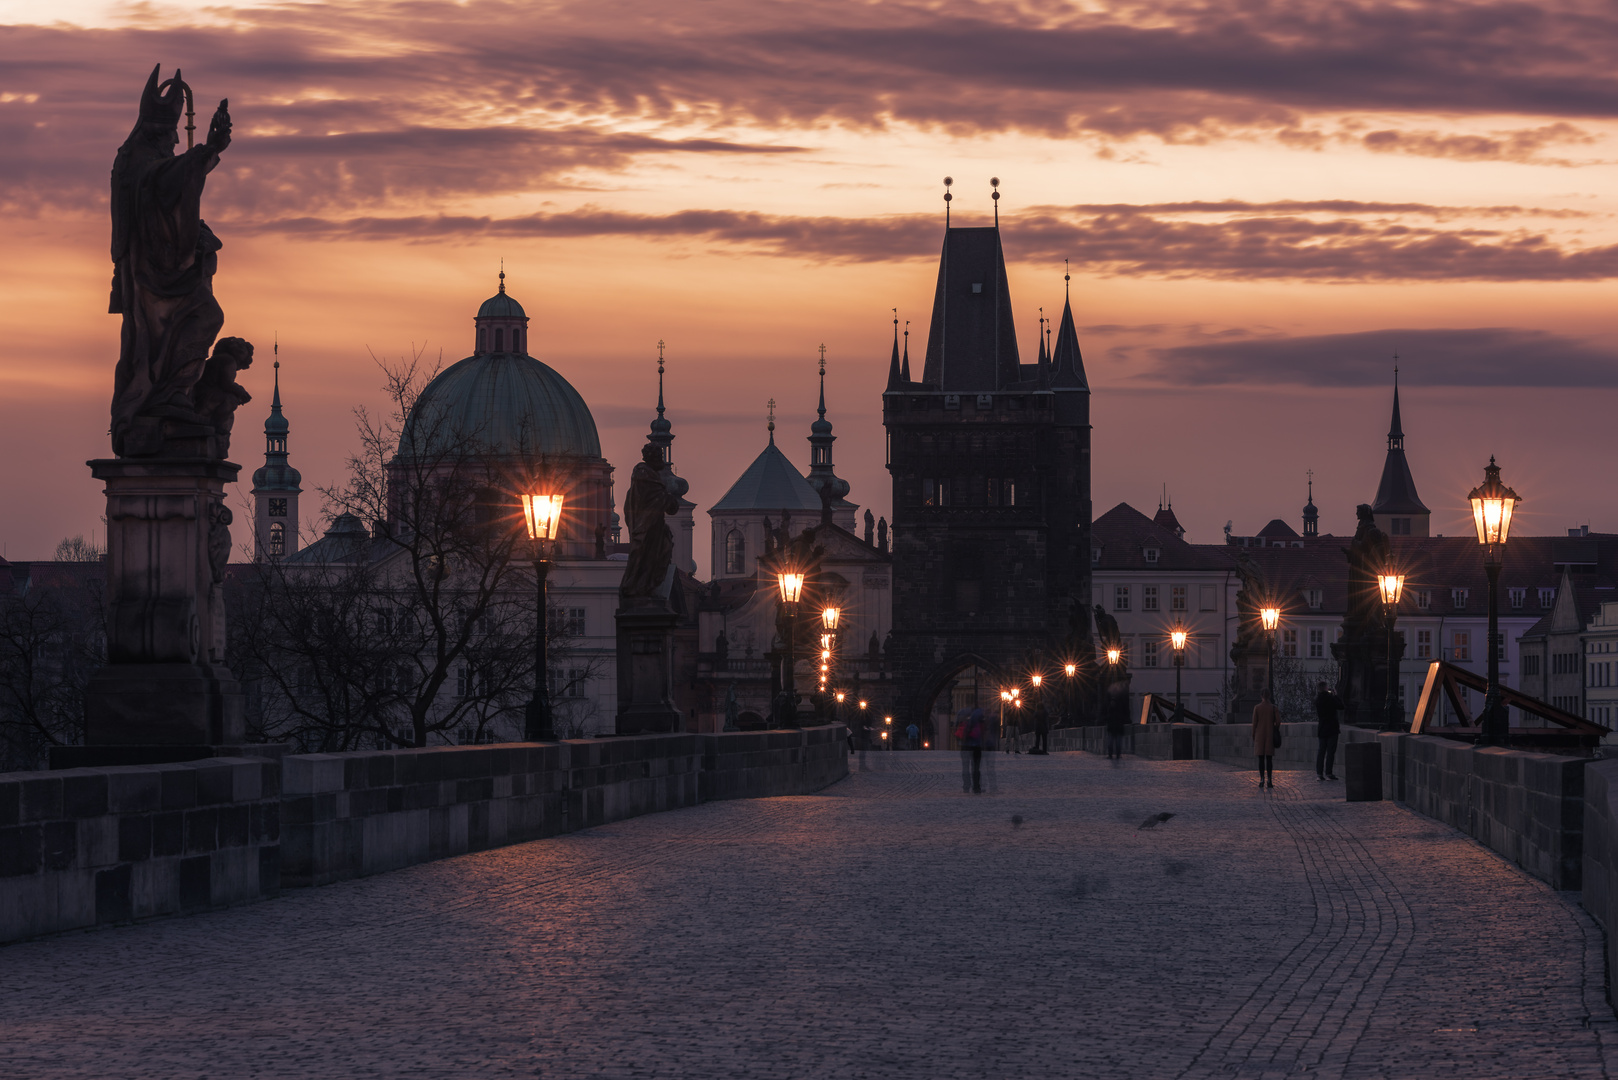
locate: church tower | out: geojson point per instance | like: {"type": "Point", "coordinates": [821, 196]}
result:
{"type": "Point", "coordinates": [990, 460]}
{"type": "Point", "coordinates": [275, 487]}
{"type": "Point", "coordinates": [1397, 509]}
{"type": "Point", "coordinates": [832, 489]}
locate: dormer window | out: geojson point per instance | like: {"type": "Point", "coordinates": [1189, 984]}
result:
{"type": "Point", "coordinates": [1151, 556]}
{"type": "Point", "coordinates": [1314, 598]}
{"type": "Point", "coordinates": [1459, 598]}
{"type": "Point", "coordinates": [1095, 556]}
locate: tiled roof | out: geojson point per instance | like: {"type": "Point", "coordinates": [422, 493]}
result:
{"type": "Point", "coordinates": [771, 482]}
{"type": "Point", "coordinates": [1123, 535]}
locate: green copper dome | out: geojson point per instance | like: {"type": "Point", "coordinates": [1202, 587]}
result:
{"type": "Point", "coordinates": [501, 306]}
{"type": "Point", "coordinates": [503, 404]}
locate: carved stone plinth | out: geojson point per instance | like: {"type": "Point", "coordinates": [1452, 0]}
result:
{"type": "Point", "coordinates": [646, 671]}
{"type": "Point", "coordinates": [168, 539]}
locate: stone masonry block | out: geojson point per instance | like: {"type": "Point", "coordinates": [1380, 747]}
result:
{"type": "Point", "coordinates": [201, 830]}
{"type": "Point", "coordinates": [84, 794]}
{"type": "Point", "coordinates": [98, 840]}
{"type": "Point", "coordinates": [215, 782]}
{"type": "Point", "coordinates": [179, 788]}
{"type": "Point", "coordinates": [134, 837]}
{"type": "Point", "coordinates": [196, 882]}
{"type": "Point", "coordinates": [246, 780]}
{"type": "Point", "coordinates": [168, 833]}
{"type": "Point", "coordinates": [59, 845]}
{"type": "Point", "coordinates": [42, 799]}
{"type": "Point", "coordinates": [133, 790]}
{"type": "Point", "coordinates": [309, 774]}
{"type": "Point", "coordinates": [10, 802]}
{"type": "Point", "coordinates": [113, 894]}
{"type": "Point", "coordinates": [20, 850]}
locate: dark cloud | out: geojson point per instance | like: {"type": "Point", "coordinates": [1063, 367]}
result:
{"type": "Point", "coordinates": [1485, 356]}
{"type": "Point", "coordinates": [1120, 241]}
{"type": "Point", "coordinates": [1525, 146]}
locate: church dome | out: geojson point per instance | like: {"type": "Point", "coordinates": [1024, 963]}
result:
{"type": "Point", "coordinates": [501, 306]}
{"type": "Point", "coordinates": [505, 404]}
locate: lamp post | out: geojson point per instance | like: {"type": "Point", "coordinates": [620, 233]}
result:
{"type": "Point", "coordinates": [1271, 618]}
{"type": "Point", "coordinates": [828, 644]}
{"type": "Point", "coordinates": [1071, 670]}
{"type": "Point", "coordinates": [1492, 506]}
{"type": "Point", "coordinates": [1391, 585]}
{"type": "Point", "coordinates": [542, 516]}
{"type": "Point", "coordinates": [791, 583]}
{"type": "Point", "coordinates": [1177, 638]}
{"type": "Point", "coordinates": [1115, 656]}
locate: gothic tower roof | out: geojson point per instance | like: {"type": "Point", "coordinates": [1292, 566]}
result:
{"type": "Point", "coordinates": [1067, 364]}
{"type": "Point", "coordinates": [972, 342]}
{"type": "Point", "coordinates": [276, 474]}
{"type": "Point", "coordinates": [1396, 494]}
{"type": "Point", "coordinates": [770, 483]}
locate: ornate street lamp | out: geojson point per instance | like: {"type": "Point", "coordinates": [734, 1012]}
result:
{"type": "Point", "coordinates": [1391, 585]}
{"type": "Point", "coordinates": [542, 516]}
{"type": "Point", "coordinates": [1071, 670]}
{"type": "Point", "coordinates": [1271, 618]}
{"type": "Point", "coordinates": [791, 584]}
{"type": "Point", "coordinates": [1177, 638]}
{"type": "Point", "coordinates": [1492, 507]}
{"type": "Point", "coordinates": [828, 641]}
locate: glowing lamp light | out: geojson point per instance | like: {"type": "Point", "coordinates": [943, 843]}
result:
{"type": "Point", "coordinates": [1392, 586]}
{"type": "Point", "coordinates": [1036, 680]}
{"type": "Point", "coordinates": [1270, 617]}
{"type": "Point", "coordinates": [1071, 669]}
{"type": "Point", "coordinates": [1114, 655]}
{"type": "Point", "coordinates": [830, 617]}
{"type": "Point", "coordinates": [840, 696]}
{"type": "Point", "coordinates": [863, 704]}
{"type": "Point", "coordinates": [884, 734]}
{"type": "Point", "coordinates": [823, 667]}
{"type": "Point", "coordinates": [1005, 695]}
{"type": "Point", "coordinates": [1492, 506]}
{"type": "Point", "coordinates": [542, 514]}
{"type": "Point", "coordinates": [825, 654]}
{"type": "Point", "coordinates": [825, 643]}
{"type": "Point", "coordinates": [887, 719]}
{"type": "Point", "coordinates": [1177, 638]}
{"type": "Point", "coordinates": [791, 587]}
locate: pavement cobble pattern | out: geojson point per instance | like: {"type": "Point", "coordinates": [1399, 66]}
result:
{"type": "Point", "coordinates": [890, 926]}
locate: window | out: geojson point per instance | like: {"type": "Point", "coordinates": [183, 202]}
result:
{"type": "Point", "coordinates": [1518, 598]}
{"type": "Point", "coordinates": [1095, 556]}
{"type": "Point", "coordinates": [1459, 598]}
{"type": "Point", "coordinates": [1564, 663]}
{"type": "Point", "coordinates": [1176, 597]}
{"type": "Point", "coordinates": [1148, 598]}
{"type": "Point", "coordinates": [1424, 599]}
{"type": "Point", "coordinates": [1461, 641]}
{"type": "Point", "coordinates": [465, 681]}
{"type": "Point", "coordinates": [482, 341]}
{"type": "Point", "coordinates": [935, 492]}
{"type": "Point", "coordinates": [1002, 491]}
{"type": "Point", "coordinates": [1120, 598]}
{"type": "Point", "coordinates": [1547, 598]}
{"type": "Point", "coordinates": [735, 552]}
{"type": "Point", "coordinates": [1317, 644]}
{"type": "Point", "coordinates": [1424, 644]}
{"type": "Point", "coordinates": [499, 340]}
{"type": "Point", "coordinates": [1148, 653]}
{"type": "Point", "coordinates": [1210, 597]}
{"type": "Point", "coordinates": [1399, 526]}
{"type": "Point", "coordinates": [1289, 643]}
{"type": "Point", "coordinates": [1314, 598]}
{"type": "Point", "coordinates": [568, 683]}
{"type": "Point", "coordinates": [278, 538]}
{"type": "Point", "coordinates": [1151, 556]}
{"type": "Point", "coordinates": [1530, 664]}
{"type": "Point", "coordinates": [278, 508]}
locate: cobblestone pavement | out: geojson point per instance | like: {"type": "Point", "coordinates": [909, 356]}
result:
{"type": "Point", "coordinates": [890, 926]}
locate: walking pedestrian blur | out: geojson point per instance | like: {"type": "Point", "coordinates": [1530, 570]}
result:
{"type": "Point", "coordinates": [1042, 730]}
{"type": "Point", "coordinates": [1266, 719]}
{"type": "Point", "coordinates": [1117, 731]}
{"type": "Point", "coordinates": [913, 733]}
{"type": "Point", "coordinates": [1327, 706]}
{"type": "Point", "coordinates": [974, 734]}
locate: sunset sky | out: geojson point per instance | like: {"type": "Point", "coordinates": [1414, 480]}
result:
{"type": "Point", "coordinates": [1261, 202]}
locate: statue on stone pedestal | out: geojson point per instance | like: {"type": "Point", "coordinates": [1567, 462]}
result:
{"type": "Point", "coordinates": [654, 495]}
{"type": "Point", "coordinates": [164, 257]}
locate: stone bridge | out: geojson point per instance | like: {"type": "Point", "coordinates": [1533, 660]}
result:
{"type": "Point", "coordinates": [1158, 919]}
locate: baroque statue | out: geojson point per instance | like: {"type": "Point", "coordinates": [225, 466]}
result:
{"type": "Point", "coordinates": [654, 496]}
{"type": "Point", "coordinates": [164, 257]}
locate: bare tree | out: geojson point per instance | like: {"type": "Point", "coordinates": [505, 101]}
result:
{"type": "Point", "coordinates": [52, 639]}
{"type": "Point", "coordinates": [78, 549]}
{"type": "Point", "coordinates": [416, 616]}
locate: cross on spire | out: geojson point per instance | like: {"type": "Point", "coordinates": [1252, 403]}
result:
{"type": "Point", "coordinates": [772, 422]}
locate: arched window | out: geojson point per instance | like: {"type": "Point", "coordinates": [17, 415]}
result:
{"type": "Point", "coordinates": [735, 552]}
{"type": "Point", "coordinates": [499, 339]}
{"type": "Point", "coordinates": [278, 539]}
{"type": "Point", "coordinates": [516, 341]}
{"type": "Point", "coordinates": [482, 342]}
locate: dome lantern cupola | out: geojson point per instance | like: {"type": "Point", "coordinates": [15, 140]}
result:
{"type": "Point", "coordinates": [502, 325]}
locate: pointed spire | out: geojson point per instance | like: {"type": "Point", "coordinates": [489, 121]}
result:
{"type": "Point", "coordinates": [1396, 433]}
{"type": "Point", "coordinates": [822, 409]}
{"type": "Point", "coordinates": [275, 401]}
{"type": "Point", "coordinates": [948, 180]}
{"type": "Point", "coordinates": [822, 477]}
{"type": "Point", "coordinates": [502, 275]}
{"type": "Point", "coordinates": [994, 182]}
{"type": "Point", "coordinates": [662, 435]}
{"type": "Point", "coordinates": [904, 368]}
{"type": "Point", "coordinates": [1044, 353]}
{"type": "Point", "coordinates": [772, 422]}
{"type": "Point", "coordinates": [1067, 364]}
{"type": "Point", "coordinates": [893, 364]}
{"type": "Point", "coordinates": [1311, 515]}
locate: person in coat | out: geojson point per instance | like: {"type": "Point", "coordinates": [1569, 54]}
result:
{"type": "Point", "coordinates": [1266, 719]}
{"type": "Point", "coordinates": [1327, 706]}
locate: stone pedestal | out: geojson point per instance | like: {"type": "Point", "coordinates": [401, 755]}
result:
{"type": "Point", "coordinates": [168, 539]}
{"type": "Point", "coordinates": [646, 671]}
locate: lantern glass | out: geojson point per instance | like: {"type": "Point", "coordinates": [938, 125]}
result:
{"type": "Point", "coordinates": [1492, 507]}
{"type": "Point", "coordinates": [1177, 638]}
{"type": "Point", "coordinates": [825, 641]}
{"type": "Point", "coordinates": [1271, 617]}
{"type": "Point", "coordinates": [840, 697]}
{"type": "Point", "coordinates": [1114, 655]}
{"type": "Point", "coordinates": [863, 704]}
{"type": "Point", "coordinates": [1070, 669]}
{"type": "Point", "coordinates": [1036, 679]}
{"type": "Point", "coordinates": [542, 514]}
{"type": "Point", "coordinates": [791, 587]}
{"type": "Point", "coordinates": [1005, 695]}
{"type": "Point", "coordinates": [830, 617]}
{"type": "Point", "coordinates": [1392, 587]}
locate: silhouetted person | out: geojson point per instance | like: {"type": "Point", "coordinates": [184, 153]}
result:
{"type": "Point", "coordinates": [963, 725]}
{"type": "Point", "coordinates": [1327, 706]}
{"type": "Point", "coordinates": [1266, 719]}
{"type": "Point", "coordinates": [1117, 730]}
{"type": "Point", "coordinates": [913, 733]}
{"type": "Point", "coordinates": [976, 735]}
{"type": "Point", "coordinates": [1042, 730]}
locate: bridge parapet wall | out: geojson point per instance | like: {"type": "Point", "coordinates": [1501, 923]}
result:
{"type": "Point", "coordinates": [86, 847]}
